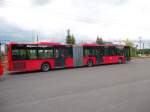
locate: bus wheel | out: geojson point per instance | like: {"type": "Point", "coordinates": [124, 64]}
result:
{"type": "Point", "coordinates": [120, 61]}
{"type": "Point", "coordinates": [90, 63]}
{"type": "Point", "coordinates": [45, 67]}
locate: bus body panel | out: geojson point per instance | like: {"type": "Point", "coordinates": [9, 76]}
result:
{"type": "Point", "coordinates": [123, 59]}
{"type": "Point", "coordinates": [86, 59]}
{"type": "Point", "coordinates": [69, 62]}
{"type": "Point", "coordinates": [30, 65]}
{"type": "Point", "coordinates": [9, 57]}
{"type": "Point", "coordinates": [115, 59]}
{"type": "Point", "coordinates": [1, 69]}
{"type": "Point", "coordinates": [107, 59]}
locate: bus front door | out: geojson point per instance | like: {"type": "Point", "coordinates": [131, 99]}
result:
{"type": "Point", "coordinates": [59, 58]}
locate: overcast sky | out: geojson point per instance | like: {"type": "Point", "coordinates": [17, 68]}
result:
{"type": "Point", "coordinates": [110, 19]}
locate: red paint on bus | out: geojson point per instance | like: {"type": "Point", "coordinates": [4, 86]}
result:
{"type": "Point", "coordinates": [69, 62]}
{"type": "Point", "coordinates": [1, 69]}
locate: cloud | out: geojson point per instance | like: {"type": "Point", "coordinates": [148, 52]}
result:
{"type": "Point", "coordinates": [115, 2]}
{"type": "Point", "coordinates": [2, 3]}
{"type": "Point", "coordinates": [40, 2]}
{"type": "Point", "coordinates": [110, 19]}
{"type": "Point", "coordinates": [9, 32]}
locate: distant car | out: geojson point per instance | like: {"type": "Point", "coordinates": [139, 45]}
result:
{"type": "Point", "coordinates": [1, 68]}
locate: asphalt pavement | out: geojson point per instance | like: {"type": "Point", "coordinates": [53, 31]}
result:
{"type": "Point", "coordinates": [109, 88]}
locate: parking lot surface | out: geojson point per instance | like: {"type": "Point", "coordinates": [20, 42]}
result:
{"type": "Point", "coordinates": [109, 88]}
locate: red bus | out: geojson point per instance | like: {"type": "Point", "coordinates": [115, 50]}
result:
{"type": "Point", "coordinates": [1, 69]}
{"type": "Point", "coordinates": [46, 56]}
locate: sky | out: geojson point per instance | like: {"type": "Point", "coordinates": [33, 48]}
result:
{"type": "Point", "coordinates": [50, 19]}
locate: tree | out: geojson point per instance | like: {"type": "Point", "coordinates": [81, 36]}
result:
{"type": "Point", "coordinates": [73, 39]}
{"type": "Point", "coordinates": [128, 43]}
{"type": "Point", "coordinates": [70, 39]}
{"type": "Point", "coordinates": [99, 40]}
{"type": "Point", "coordinates": [133, 50]}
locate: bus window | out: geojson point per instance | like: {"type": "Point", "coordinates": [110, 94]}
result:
{"type": "Point", "coordinates": [90, 51]}
{"type": "Point", "coordinates": [106, 51]}
{"type": "Point", "coordinates": [97, 51]}
{"type": "Point", "coordinates": [112, 51]}
{"type": "Point", "coordinates": [43, 54]}
{"type": "Point", "coordinates": [86, 52]}
{"type": "Point", "coordinates": [101, 51]}
{"type": "Point", "coordinates": [57, 53]}
{"type": "Point", "coordinates": [119, 52]}
{"type": "Point", "coordinates": [49, 53]}
{"type": "Point", "coordinates": [94, 51]}
{"type": "Point", "coordinates": [115, 51]}
{"type": "Point", "coordinates": [32, 54]}
{"type": "Point", "coordinates": [19, 54]}
{"type": "Point", "coordinates": [68, 52]}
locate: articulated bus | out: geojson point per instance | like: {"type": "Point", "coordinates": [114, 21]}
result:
{"type": "Point", "coordinates": [47, 56]}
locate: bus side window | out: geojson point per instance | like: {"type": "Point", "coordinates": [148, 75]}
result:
{"type": "Point", "coordinates": [94, 52]}
{"type": "Point", "coordinates": [106, 50]}
{"type": "Point", "coordinates": [69, 52]}
{"type": "Point", "coordinates": [113, 51]}
{"type": "Point", "coordinates": [86, 52]}
{"type": "Point", "coordinates": [15, 54]}
{"type": "Point", "coordinates": [40, 54]}
{"type": "Point", "coordinates": [56, 53]}
{"type": "Point", "coordinates": [32, 54]}
{"type": "Point", "coordinates": [44, 54]}
{"type": "Point", "coordinates": [19, 54]}
{"type": "Point", "coordinates": [50, 53]}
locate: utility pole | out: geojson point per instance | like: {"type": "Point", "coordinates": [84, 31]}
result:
{"type": "Point", "coordinates": [33, 36]}
{"type": "Point", "coordinates": [37, 39]}
{"type": "Point", "coordinates": [37, 46]}
{"type": "Point", "coordinates": [143, 48]}
{"type": "Point", "coordinates": [149, 48]}
{"type": "Point", "coordinates": [140, 42]}
{"type": "Point", "coordinates": [68, 31]}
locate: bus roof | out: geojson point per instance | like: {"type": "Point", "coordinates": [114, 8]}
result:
{"type": "Point", "coordinates": [60, 44]}
{"type": "Point", "coordinates": [39, 43]}
{"type": "Point", "coordinates": [96, 45]}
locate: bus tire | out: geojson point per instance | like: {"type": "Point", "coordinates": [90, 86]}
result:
{"type": "Point", "coordinates": [45, 67]}
{"type": "Point", "coordinates": [120, 61]}
{"type": "Point", "coordinates": [90, 63]}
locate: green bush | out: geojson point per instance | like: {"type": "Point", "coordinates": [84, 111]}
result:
{"type": "Point", "coordinates": [133, 52]}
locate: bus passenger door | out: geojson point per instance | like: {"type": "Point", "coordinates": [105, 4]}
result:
{"type": "Point", "coordinates": [99, 59]}
{"type": "Point", "coordinates": [99, 56]}
{"type": "Point", "coordinates": [59, 58]}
